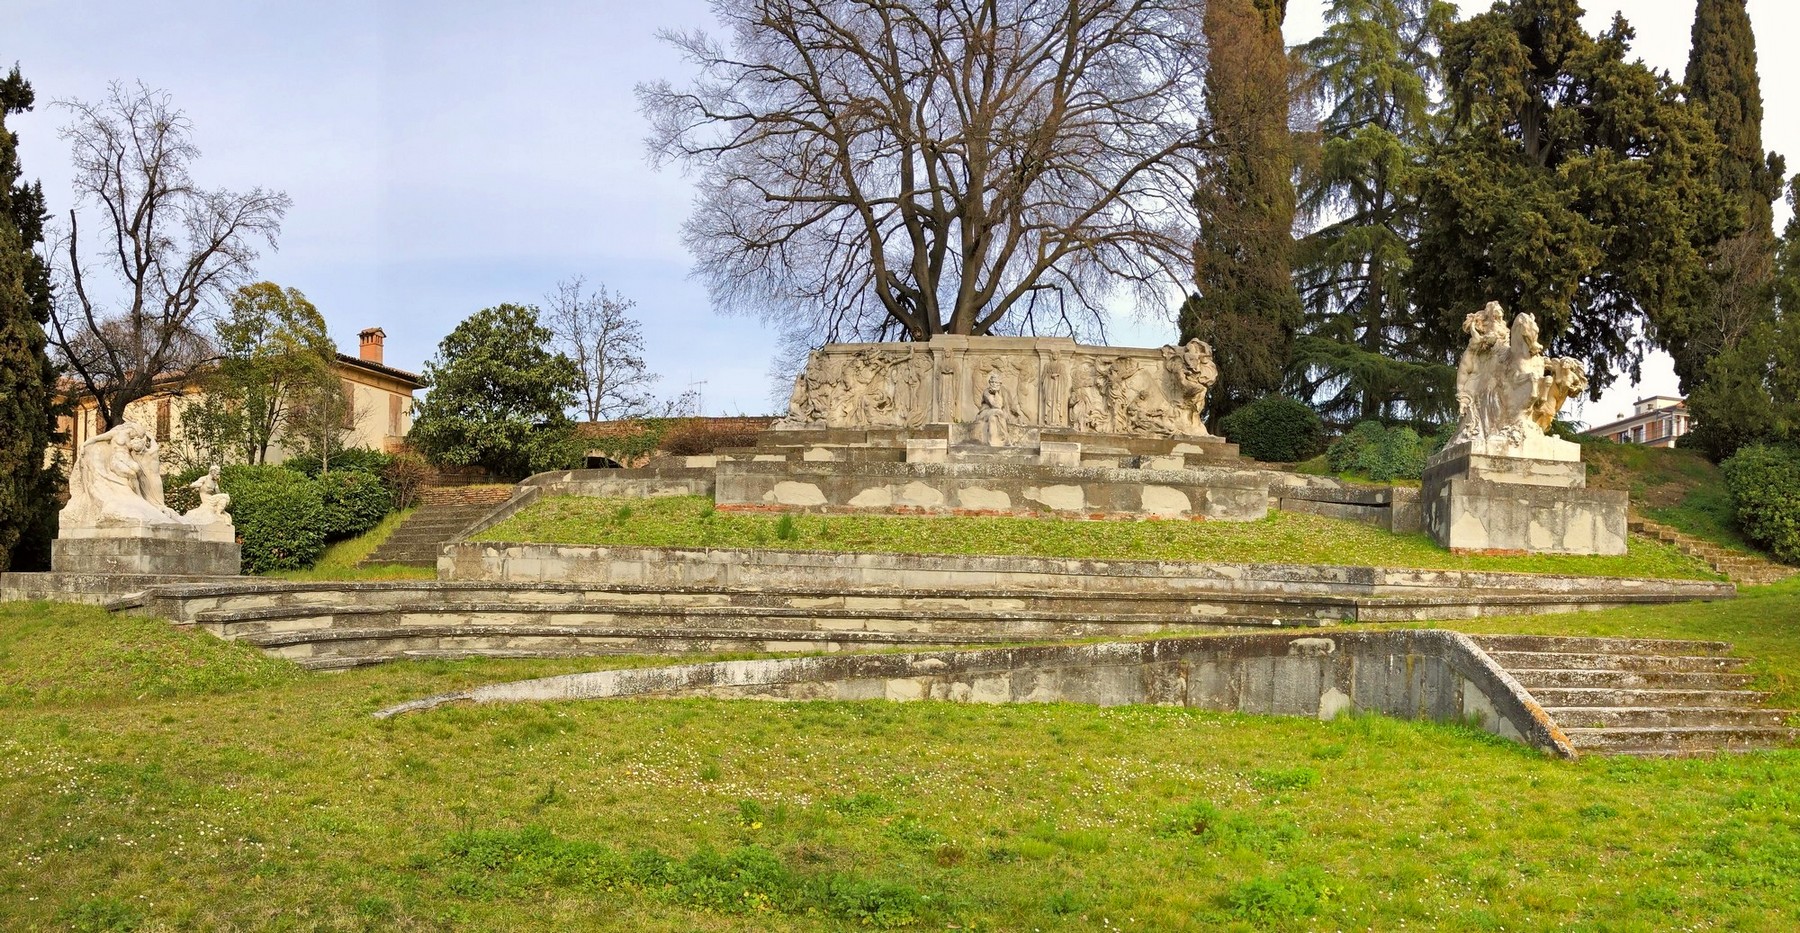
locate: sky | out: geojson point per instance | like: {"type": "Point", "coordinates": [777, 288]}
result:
{"type": "Point", "coordinates": [447, 156]}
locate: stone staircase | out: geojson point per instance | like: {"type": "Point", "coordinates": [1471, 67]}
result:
{"type": "Point", "coordinates": [418, 540]}
{"type": "Point", "coordinates": [1737, 566]}
{"type": "Point", "coordinates": [1641, 696]}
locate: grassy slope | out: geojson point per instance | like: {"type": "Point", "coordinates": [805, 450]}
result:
{"type": "Point", "coordinates": [241, 793]}
{"type": "Point", "coordinates": [1678, 488]}
{"type": "Point", "coordinates": [1284, 537]}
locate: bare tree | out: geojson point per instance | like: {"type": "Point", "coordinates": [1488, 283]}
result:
{"type": "Point", "coordinates": [903, 168]}
{"type": "Point", "coordinates": [597, 333]}
{"type": "Point", "coordinates": [172, 246]}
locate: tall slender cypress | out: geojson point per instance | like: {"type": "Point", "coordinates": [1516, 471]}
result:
{"type": "Point", "coordinates": [26, 375]}
{"type": "Point", "coordinates": [1722, 345]}
{"type": "Point", "coordinates": [1244, 301]}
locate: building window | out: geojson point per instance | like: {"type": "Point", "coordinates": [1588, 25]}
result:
{"type": "Point", "coordinates": [164, 412]}
{"type": "Point", "coordinates": [349, 405]}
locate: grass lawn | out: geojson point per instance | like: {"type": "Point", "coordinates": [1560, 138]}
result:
{"type": "Point", "coordinates": [152, 779]}
{"type": "Point", "coordinates": [1283, 537]}
{"type": "Point", "coordinates": [341, 560]}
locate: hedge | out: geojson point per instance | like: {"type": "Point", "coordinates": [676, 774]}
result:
{"type": "Point", "coordinates": [279, 514]}
{"type": "Point", "coordinates": [1764, 480]}
{"type": "Point", "coordinates": [1275, 429]}
{"type": "Point", "coordinates": [354, 502]}
{"type": "Point", "coordinates": [1380, 452]}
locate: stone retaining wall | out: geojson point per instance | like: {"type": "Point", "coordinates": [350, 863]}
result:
{"type": "Point", "coordinates": [1420, 674]}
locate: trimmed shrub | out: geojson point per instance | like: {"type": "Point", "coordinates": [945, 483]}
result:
{"type": "Point", "coordinates": [361, 459]}
{"type": "Point", "coordinates": [279, 514]}
{"type": "Point", "coordinates": [1764, 480]}
{"type": "Point", "coordinates": [1379, 452]}
{"type": "Point", "coordinates": [1275, 429]}
{"type": "Point", "coordinates": [354, 502]}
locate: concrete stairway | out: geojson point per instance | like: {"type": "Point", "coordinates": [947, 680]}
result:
{"type": "Point", "coordinates": [1641, 696]}
{"type": "Point", "coordinates": [1740, 568]}
{"type": "Point", "coordinates": [417, 541]}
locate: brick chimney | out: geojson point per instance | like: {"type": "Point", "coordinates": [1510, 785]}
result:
{"type": "Point", "coordinates": [370, 351]}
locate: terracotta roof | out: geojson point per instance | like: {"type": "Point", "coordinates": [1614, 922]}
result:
{"type": "Point", "coordinates": [385, 370]}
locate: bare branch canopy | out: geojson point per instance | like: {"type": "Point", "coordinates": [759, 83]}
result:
{"type": "Point", "coordinates": [904, 168]}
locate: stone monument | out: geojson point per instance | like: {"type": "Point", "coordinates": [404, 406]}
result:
{"type": "Point", "coordinates": [999, 425]}
{"type": "Point", "coordinates": [1502, 483]}
{"type": "Point", "coordinates": [116, 521]}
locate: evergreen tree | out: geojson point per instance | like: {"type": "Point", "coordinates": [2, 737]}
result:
{"type": "Point", "coordinates": [1244, 302]}
{"type": "Point", "coordinates": [498, 396]}
{"type": "Point", "coordinates": [27, 489]}
{"type": "Point", "coordinates": [1374, 70]}
{"type": "Point", "coordinates": [1575, 185]}
{"type": "Point", "coordinates": [1722, 343]}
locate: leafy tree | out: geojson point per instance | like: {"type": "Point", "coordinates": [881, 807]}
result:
{"type": "Point", "coordinates": [1244, 302]}
{"type": "Point", "coordinates": [596, 331]}
{"type": "Point", "coordinates": [498, 395]}
{"type": "Point", "coordinates": [1574, 185]}
{"type": "Point", "coordinates": [904, 168]}
{"type": "Point", "coordinates": [274, 351]}
{"type": "Point", "coordinates": [1374, 71]}
{"type": "Point", "coordinates": [1722, 343]}
{"type": "Point", "coordinates": [174, 247]}
{"type": "Point", "coordinates": [26, 375]}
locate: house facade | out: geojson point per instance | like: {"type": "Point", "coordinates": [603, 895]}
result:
{"type": "Point", "coordinates": [1655, 421]}
{"type": "Point", "coordinates": [378, 413]}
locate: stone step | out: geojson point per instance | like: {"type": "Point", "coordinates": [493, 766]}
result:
{"type": "Point", "coordinates": [1613, 717]}
{"type": "Point", "coordinates": [1680, 739]}
{"type": "Point", "coordinates": [293, 626]}
{"type": "Point", "coordinates": [1528, 660]}
{"type": "Point", "coordinates": [1566, 644]}
{"type": "Point", "coordinates": [1562, 697]}
{"type": "Point", "coordinates": [1533, 678]}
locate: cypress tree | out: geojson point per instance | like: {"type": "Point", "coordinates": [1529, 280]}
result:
{"type": "Point", "coordinates": [1244, 302]}
{"type": "Point", "coordinates": [27, 501]}
{"type": "Point", "coordinates": [1574, 184]}
{"type": "Point", "coordinates": [1722, 344]}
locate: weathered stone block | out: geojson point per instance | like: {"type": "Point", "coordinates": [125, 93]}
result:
{"type": "Point", "coordinates": [144, 555]}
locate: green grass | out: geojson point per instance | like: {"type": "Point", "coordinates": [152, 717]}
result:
{"type": "Point", "coordinates": [1679, 488]}
{"type": "Point", "coordinates": [343, 560]}
{"type": "Point", "coordinates": [1283, 537]}
{"type": "Point", "coordinates": [241, 793]}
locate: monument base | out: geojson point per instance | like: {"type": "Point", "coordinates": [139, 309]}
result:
{"type": "Point", "coordinates": [1476, 502]}
{"type": "Point", "coordinates": [187, 556]}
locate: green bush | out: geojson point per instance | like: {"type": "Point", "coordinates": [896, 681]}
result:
{"type": "Point", "coordinates": [1274, 429]}
{"type": "Point", "coordinates": [279, 514]}
{"type": "Point", "coordinates": [354, 502]}
{"type": "Point", "coordinates": [361, 459]}
{"type": "Point", "coordinates": [1380, 452]}
{"type": "Point", "coordinates": [1764, 480]}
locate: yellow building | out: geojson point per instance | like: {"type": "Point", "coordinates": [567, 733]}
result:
{"type": "Point", "coordinates": [378, 414]}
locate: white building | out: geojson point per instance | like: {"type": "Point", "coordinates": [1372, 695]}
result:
{"type": "Point", "coordinates": [1656, 421]}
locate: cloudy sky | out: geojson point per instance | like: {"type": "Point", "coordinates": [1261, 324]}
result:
{"type": "Point", "coordinates": [446, 156]}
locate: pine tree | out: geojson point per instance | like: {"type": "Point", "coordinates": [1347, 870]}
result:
{"type": "Point", "coordinates": [1722, 344]}
{"type": "Point", "coordinates": [1575, 185]}
{"type": "Point", "coordinates": [1244, 302]}
{"type": "Point", "coordinates": [27, 500]}
{"type": "Point", "coordinates": [1375, 72]}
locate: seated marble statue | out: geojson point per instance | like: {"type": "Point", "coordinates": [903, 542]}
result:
{"type": "Point", "coordinates": [213, 501]}
{"type": "Point", "coordinates": [1507, 392]}
{"type": "Point", "coordinates": [998, 413]}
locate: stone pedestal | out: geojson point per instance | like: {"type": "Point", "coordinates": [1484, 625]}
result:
{"type": "Point", "coordinates": [1475, 501]}
{"type": "Point", "coordinates": [186, 550]}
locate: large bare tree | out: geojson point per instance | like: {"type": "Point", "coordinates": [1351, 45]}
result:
{"type": "Point", "coordinates": [596, 331]}
{"type": "Point", "coordinates": [169, 248]}
{"type": "Point", "coordinates": [904, 168]}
